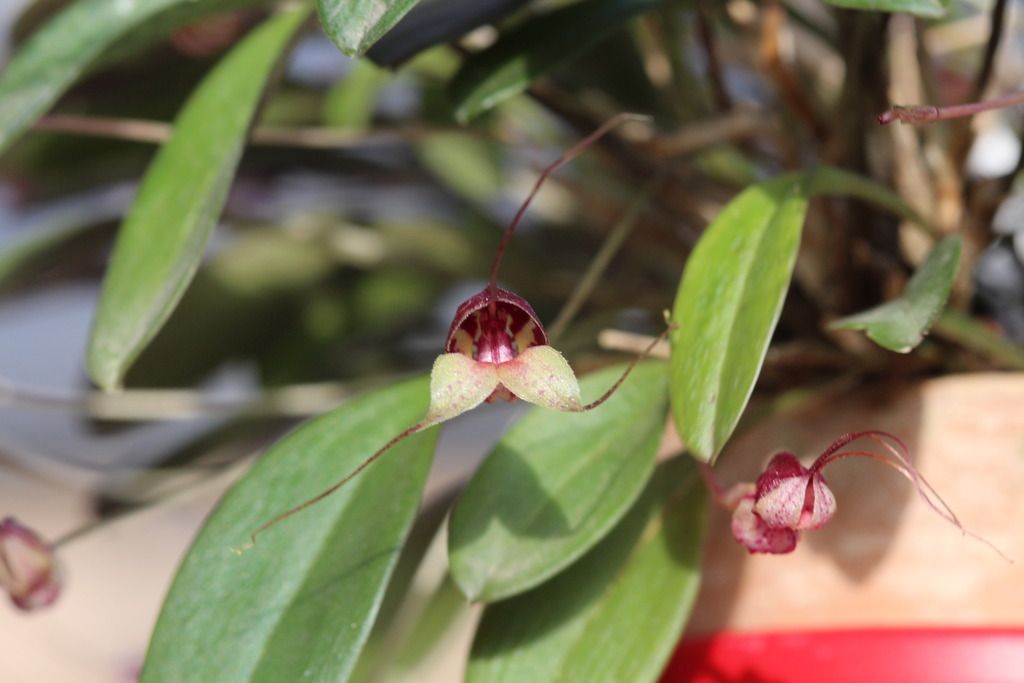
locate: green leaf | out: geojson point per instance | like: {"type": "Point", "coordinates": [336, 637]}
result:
{"type": "Point", "coordinates": [73, 42]}
{"type": "Point", "coordinates": [900, 325]}
{"type": "Point", "coordinates": [163, 237]}
{"type": "Point", "coordinates": [727, 306]}
{"type": "Point", "coordinates": [300, 603]}
{"type": "Point", "coordinates": [616, 614]}
{"type": "Point", "coordinates": [554, 485]}
{"type": "Point", "coordinates": [355, 25]}
{"type": "Point", "coordinates": [921, 8]}
{"type": "Point", "coordinates": [535, 47]}
{"type": "Point", "coordinates": [463, 163]}
{"type": "Point", "coordinates": [828, 180]}
{"type": "Point", "coordinates": [350, 102]}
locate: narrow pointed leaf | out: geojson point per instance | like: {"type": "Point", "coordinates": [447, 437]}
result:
{"type": "Point", "coordinates": [900, 325]}
{"type": "Point", "coordinates": [617, 613]}
{"type": "Point", "coordinates": [921, 8]}
{"type": "Point", "coordinates": [300, 603]}
{"type": "Point", "coordinates": [554, 486]}
{"type": "Point", "coordinates": [161, 242]}
{"type": "Point", "coordinates": [457, 384]}
{"type": "Point", "coordinates": [727, 306]}
{"type": "Point", "coordinates": [355, 25]}
{"type": "Point", "coordinates": [541, 375]}
{"type": "Point", "coordinates": [72, 42]}
{"type": "Point", "coordinates": [535, 47]}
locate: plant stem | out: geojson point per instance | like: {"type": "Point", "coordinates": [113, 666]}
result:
{"type": "Point", "coordinates": [568, 156]}
{"type": "Point", "coordinates": [705, 31]}
{"type": "Point", "coordinates": [298, 400]}
{"type": "Point", "coordinates": [967, 332]}
{"type": "Point", "coordinates": [995, 35]}
{"type": "Point", "coordinates": [612, 243]}
{"type": "Point", "coordinates": [157, 132]}
{"type": "Point", "coordinates": [929, 113]}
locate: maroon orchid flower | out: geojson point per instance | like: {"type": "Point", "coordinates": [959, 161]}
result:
{"type": "Point", "coordinates": [28, 567]}
{"type": "Point", "coordinates": [496, 350]}
{"type": "Point", "coordinates": [767, 517]}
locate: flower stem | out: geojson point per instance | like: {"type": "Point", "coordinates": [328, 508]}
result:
{"type": "Point", "coordinates": [568, 156]}
{"type": "Point", "coordinates": [929, 113]}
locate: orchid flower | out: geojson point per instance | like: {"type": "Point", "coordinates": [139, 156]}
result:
{"type": "Point", "coordinates": [496, 349]}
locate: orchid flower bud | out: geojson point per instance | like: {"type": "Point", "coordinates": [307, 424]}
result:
{"type": "Point", "coordinates": [28, 567]}
{"type": "Point", "coordinates": [791, 496]}
{"type": "Point", "coordinates": [753, 534]}
{"type": "Point", "coordinates": [788, 497]}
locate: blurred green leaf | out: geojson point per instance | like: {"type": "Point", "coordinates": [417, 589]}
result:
{"type": "Point", "coordinates": [535, 47]}
{"type": "Point", "coordinates": [921, 8]}
{"type": "Point", "coordinates": [617, 613]}
{"type": "Point", "coordinates": [355, 25]}
{"type": "Point", "coordinates": [900, 325]}
{"type": "Point", "coordinates": [350, 102]}
{"type": "Point", "coordinates": [466, 164]}
{"type": "Point", "coordinates": [828, 180]}
{"type": "Point", "coordinates": [727, 306]}
{"type": "Point", "coordinates": [299, 605]}
{"type": "Point", "coordinates": [70, 44]}
{"type": "Point", "coordinates": [554, 486]}
{"type": "Point", "coordinates": [164, 235]}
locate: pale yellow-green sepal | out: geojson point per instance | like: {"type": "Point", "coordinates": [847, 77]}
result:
{"type": "Point", "coordinates": [542, 376]}
{"type": "Point", "coordinates": [457, 384]}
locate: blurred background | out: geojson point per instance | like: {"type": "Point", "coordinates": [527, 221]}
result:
{"type": "Point", "coordinates": [363, 213]}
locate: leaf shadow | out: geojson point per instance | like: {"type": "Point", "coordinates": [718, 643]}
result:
{"type": "Point", "coordinates": [519, 482]}
{"type": "Point", "coordinates": [563, 598]}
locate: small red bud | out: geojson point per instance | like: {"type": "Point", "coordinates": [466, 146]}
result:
{"type": "Point", "coordinates": [790, 495]}
{"type": "Point", "coordinates": [28, 567]}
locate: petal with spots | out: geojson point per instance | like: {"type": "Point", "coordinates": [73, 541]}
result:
{"type": "Point", "coordinates": [457, 384]}
{"type": "Point", "coordinates": [542, 376]}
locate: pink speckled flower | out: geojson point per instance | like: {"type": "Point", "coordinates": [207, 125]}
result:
{"type": "Point", "coordinates": [767, 517]}
{"type": "Point", "coordinates": [28, 567]}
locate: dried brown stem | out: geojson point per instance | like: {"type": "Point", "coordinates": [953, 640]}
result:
{"type": "Point", "coordinates": [157, 132]}
{"type": "Point", "coordinates": [929, 113]}
{"type": "Point", "coordinates": [773, 18]}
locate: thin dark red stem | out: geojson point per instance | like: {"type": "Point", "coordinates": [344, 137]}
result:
{"type": "Point", "coordinates": [900, 461]}
{"type": "Point", "coordinates": [320, 496]}
{"type": "Point", "coordinates": [618, 383]}
{"type": "Point", "coordinates": [569, 155]}
{"type": "Point", "coordinates": [850, 437]}
{"type": "Point", "coordinates": [928, 113]}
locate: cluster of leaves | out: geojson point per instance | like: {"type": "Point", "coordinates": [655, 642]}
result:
{"type": "Point", "coordinates": [585, 550]}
